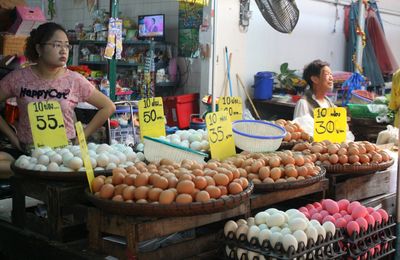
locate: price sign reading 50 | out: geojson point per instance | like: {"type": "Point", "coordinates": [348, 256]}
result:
{"type": "Point", "coordinates": [233, 105]}
{"type": "Point", "coordinates": [330, 124]}
{"type": "Point", "coordinates": [47, 124]}
{"type": "Point", "coordinates": [151, 117]}
{"type": "Point", "coordinates": [220, 135]}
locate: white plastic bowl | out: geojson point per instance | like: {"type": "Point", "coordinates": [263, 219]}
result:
{"type": "Point", "coordinates": [257, 136]}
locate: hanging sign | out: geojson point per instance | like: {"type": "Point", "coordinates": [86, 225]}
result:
{"type": "Point", "coordinates": [85, 153]}
{"type": "Point", "coordinates": [232, 105]}
{"type": "Point", "coordinates": [220, 135]}
{"type": "Point", "coordinates": [151, 117]}
{"type": "Point", "coordinates": [47, 124]}
{"type": "Point", "coordinates": [330, 124]}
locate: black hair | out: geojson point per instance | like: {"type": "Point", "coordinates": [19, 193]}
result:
{"type": "Point", "coordinates": [313, 69]}
{"type": "Point", "coordinates": [40, 35]}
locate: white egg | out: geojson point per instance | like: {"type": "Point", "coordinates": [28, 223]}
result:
{"type": "Point", "coordinates": [241, 253]}
{"type": "Point", "coordinates": [195, 145]}
{"type": "Point", "coordinates": [92, 153]}
{"type": "Point", "coordinates": [300, 236]}
{"type": "Point", "coordinates": [121, 156]}
{"type": "Point", "coordinates": [289, 240]}
{"type": "Point", "coordinates": [50, 153]}
{"type": "Point", "coordinates": [23, 163]}
{"type": "Point", "coordinates": [99, 169]}
{"type": "Point", "coordinates": [103, 148]}
{"type": "Point", "coordinates": [129, 163]}
{"type": "Point", "coordinates": [91, 146]}
{"type": "Point", "coordinates": [260, 218]}
{"type": "Point", "coordinates": [205, 145]}
{"type": "Point", "coordinates": [140, 147]}
{"type": "Point", "coordinates": [37, 152]}
{"type": "Point", "coordinates": [53, 167]}
{"type": "Point", "coordinates": [93, 161]}
{"type": "Point", "coordinates": [329, 227]}
{"type": "Point", "coordinates": [251, 221]}
{"type": "Point", "coordinates": [285, 231]}
{"type": "Point", "coordinates": [241, 221]}
{"type": "Point", "coordinates": [290, 212]}
{"type": "Point", "coordinates": [195, 137]}
{"type": "Point", "coordinates": [113, 159]}
{"type": "Point", "coordinates": [297, 224]}
{"type": "Point", "coordinates": [275, 238]}
{"type": "Point", "coordinates": [276, 219]}
{"type": "Point", "coordinates": [321, 231]}
{"type": "Point", "coordinates": [140, 156]}
{"type": "Point", "coordinates": [185, 136]}
{"type": "Point", "coordinates": [77, 153]}
{"type": "Point", "coordinates": [63, 150]}
{"type": "Point", "coordinates": [230, 226]}
{"type": "Point", "coordinates": [75, 163]}
{"type": "Point", "coordinates": [200, 131]}
{"type": "Point", "coordinates": [251, 255]}
{"type": "Point", "coordinates": [176, 141]}
{"type": "Point", "coordinates": [111, 166]}
{"type": "Point", "coordinates": [204, 136]}
{"type": "Point", "coordinates": [33, 160]}
{"type": "Point", "coordinates": [130, 156]}
{"type": "Point", "coordinates": [66, 157]}
{"type": "Point", "coordinates": [82, 169]}
{"type": "Point", "coordinates": [124, 166]}
{"type": "Point", "coordinates": [64, 169]}
{"type": "Point", "coordinates": [241, 231]}
{"type": "Point", "coordinates": [271, 211]}
{"type": "Point", "coordinates": [162, 138]}
{"type": "Point", "coordinates": [40, 167]}
{"type": "Point", "coordinates": [275, 229]}
{"type": "Point", "coordinates": [30, 166]}
{"type": "Point", "coordinates": [312, 233]}
{"type": "Point", "coordinates": [264, 234]}
{"type": "Point", "coordinates": [43, 159]}
{"type": "Point", "coordinates": [263, 226]}
{"type": "Point", "coordinates": [102, 160]}
{"type": "Point", "coordinates": [185, 143]}
{"type": "Point", "coordinates": [191, 131]}
{"type": "Point", "coordinates": [174, 137]}
{"type": "Point", "coordinates": [253, 232]}
{"type": "Point", "coordinates": [315, 222]}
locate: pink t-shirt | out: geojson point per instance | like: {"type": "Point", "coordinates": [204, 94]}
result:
{"type": "Point", "coordinates": [26, 86]}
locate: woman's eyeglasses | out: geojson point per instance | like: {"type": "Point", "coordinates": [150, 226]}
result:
{"type": "Point", "coordinates": [58, 45]}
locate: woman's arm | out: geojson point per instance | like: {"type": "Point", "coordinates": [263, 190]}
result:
{"type": "Point", "coordinates": [105, 109]}
{"type": "Point", "coordinates": [5, 128]}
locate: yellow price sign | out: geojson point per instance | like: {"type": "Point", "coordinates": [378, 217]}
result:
{"type": "Point", "coordinates": [330, 124]}
{"type": "Point", "coordinates": [151, 117]}
{"type": "Point", "coordinates": [47, 124]}
{"type": "Point", "coordinates": [233, 105]}
{"type": "Point", "coordinates": [220, 135]}
{"type": "Point", "coordinates": [85, 153]}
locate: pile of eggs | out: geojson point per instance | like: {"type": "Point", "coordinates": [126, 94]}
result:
{"type": "Point", "coordinates": [274, 226]}
{"type": "Point", "coordinates": [346, 153]}
{"type": "Point", "coordinates": [276, 167]}
{"type": "Point", "coordinates": [69, 158]}
{"type": "Point", "coordinates": [294, 132]}
{"type": "Point", "coordinates": [168, 182]}
{"type": "Point", "coordinates": [194, 139]}
{"type": "Point", "coordinates": [350, 216]}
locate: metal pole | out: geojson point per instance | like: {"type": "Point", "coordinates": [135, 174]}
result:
{"type": "Point", "coordinates": [112, 64]}
{"type": "Point", "coordinates": [214, 24]}
{"type": "Point", "coordinates": [359, 43]}
{"type": "Point", "coordinates": [398, 206]}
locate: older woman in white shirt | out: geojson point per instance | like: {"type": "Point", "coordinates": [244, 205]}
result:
{"type": "Point", "coordinates": [318, 76]}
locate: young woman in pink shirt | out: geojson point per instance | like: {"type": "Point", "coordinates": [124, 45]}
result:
{"type": "Point", "coordinates": [49, 79]}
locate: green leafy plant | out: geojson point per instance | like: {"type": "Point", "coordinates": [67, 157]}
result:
{"type": "Point", "coordinates": [287, 77]}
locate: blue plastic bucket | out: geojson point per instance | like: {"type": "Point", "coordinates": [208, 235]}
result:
{"type": "Point", "coordinates": [263, 83]}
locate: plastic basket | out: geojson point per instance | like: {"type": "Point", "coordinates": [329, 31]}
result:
{"type": "Point", "coordinates": [155, 150]}
{"type": "Point", "coordinates": [257, 136]}
{"type": "Point", "coordinates": [361, 111]}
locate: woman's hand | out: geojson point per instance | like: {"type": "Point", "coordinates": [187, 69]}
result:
{"type": "Point", "coordinates": [15, 142]}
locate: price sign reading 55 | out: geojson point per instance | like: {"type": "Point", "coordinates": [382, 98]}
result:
{"type": "Point", "coordinates": [47, 124]}
{"type": "Point", "coordinates": [220, 135]}
{"type": "Point", "coordinates": [330, 124]}
{"type": "Point", "coordinates": [151, 117]}
{"type": "Point", "coordinates": [233, 105]}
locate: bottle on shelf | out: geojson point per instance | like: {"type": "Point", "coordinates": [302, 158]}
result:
{"type": "Point", "coordinates": [105, 86]}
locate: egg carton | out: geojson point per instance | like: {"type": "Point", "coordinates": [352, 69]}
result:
{"type": "Point", "coordinates": [323, 249]}
{"type": "Point", "coordinates": [358, 245]}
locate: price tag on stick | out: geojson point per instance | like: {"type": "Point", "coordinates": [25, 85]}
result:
{"type": "Point", "coordinates": [85, 153]}
{"type": "Point", "coordinates": [151, 117]}
{"type": "Point", "coordinates": [330, 124]}
{"type": "Point", "coordinates": [220, 135]}
{"type": "Point", "coordinates": [233, 105]}
{"type": "Point", "coordinates": [47, 124]}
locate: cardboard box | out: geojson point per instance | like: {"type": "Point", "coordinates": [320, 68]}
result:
{"type": "Point", "coordinates": [12, 44]}
{"type": "Point", "coordinates": [27, 19]}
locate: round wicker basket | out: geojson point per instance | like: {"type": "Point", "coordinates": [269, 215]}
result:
{"type": "Point", "coordinates": [357, 169]}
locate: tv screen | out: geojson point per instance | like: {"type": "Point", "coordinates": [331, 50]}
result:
{"type": "Point", "coordinates": [151, 26]}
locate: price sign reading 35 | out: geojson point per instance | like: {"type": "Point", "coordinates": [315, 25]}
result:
{"type": "Point", "coordinates": [330, 124]}
{"type": "Point", "coordinates": [47, 124]}
{"type": "Point", "coordinates": [233, 105]}
{"type": "Point", "coordinates": [151, 117]}
{"type": "Point", "coordinates": [220, 135]}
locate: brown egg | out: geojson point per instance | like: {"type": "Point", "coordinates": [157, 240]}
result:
{"type": "Point", "coordinates": [129, 193]}
{"type": "Point", "coordinates": [118, 198]}
{"type": "Point", "coordinates": [198, 172]}
{"type": "Point", "coordinates": [185, 186]}
{"type": "Point", "coordinates": [287, 137]}
{"type": "Point", "coordinates": [376, 158]}
{"type": "Point", "coordinates": [291, 172]}
{"type": "Point", "coordinates": [97, 194]}
{"type": "Point", "coordinates": [264, 172]}
{"type": "Point", "coordinates": [303, 171]}
{"type": "Point", "coordinates": [102, 176]}
{"type": "Point", "coordinates": [212, 165]}
{"type": "Point", "coordinates": [333, 149]}
{"type": "Point", "coordinates": [200, 182]}
{"type": "Point", "coordinates": [221, 179]}
{"type": "Point", "coordinates": [364, 158]}
{"type": "Point", "coordinates": [202, 196]}
{"type": "Point", "coordinates": [119, 188]}
{"type": "Point", "coordinates": [172, 182]}
{"type": "Point", "coordinates": [141, 180]}
{"type": "Point", "coordinates": [214, 191]}
{"type": "Point", "coordinates": [223, 189]}
{"type": "Point", "coordinates": [385, 156]}
{"type": "Point", "coordinates": [153, 177]}
{"type": "Point", "coordinates": [119, 170]}
{"type": "Point", "coordinates": [161, 183]}
{"type": "Point", "coordinates": [97, 183]}
{"type": "Point", "coordinates": [154, 194]}
{"type": "Point", "coordinates": [108, 180]}
{"type": "Point", "coordinates": [107, 191]}
{"type": "Point", "coordinates": [276, 173]}
{"type": "Point", "coordinates": [235, 188]}
{"type": "Point", "coordinates": [210, 180]}
{"type": "Point", "coordinates": [353, 151]}
{"type": "Point", "coordinates": [287, 159]}
{"type": "Point", "coordinates": [184, 198]}
{"type": "Point", "coordinates": [268, 180]}
{"type": "Point", "coordinates": [174, 191]}
{"type": "Point", "coordinates": [245, 182]}
{"type": "Point", "coordinates": [166, 197]}
{"type": "Point", "coordinates": [296, 135]}
{"type": "Point", "coordinates": [130, 179]}
{"type": "Point", "coordinates": [316, 148]}
{"type": "Point", "coordinates": [117, 178]}
{"type": "Point", "coordinates": [141, 192]}
{"type": "Point", "coordinates": [354, 158]}
{"type": "Point", "coordinates": [343, 159]}
{"type": "Point", "coordinates": [274, 161]}
{"type": "Point", "coordinates": [142, 201]}
{"type": "Point", "coordinates": [333, 158]}
{"type": "Point", "coordinates": [185, 176]}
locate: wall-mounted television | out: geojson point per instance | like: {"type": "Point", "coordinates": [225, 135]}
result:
{"type": "Point", "coordinates": [151, 27]}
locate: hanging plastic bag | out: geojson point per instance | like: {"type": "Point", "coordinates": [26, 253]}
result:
{"type": "Point", "coordinates": [390, 135]}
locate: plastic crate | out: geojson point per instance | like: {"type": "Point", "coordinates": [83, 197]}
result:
{"type": "Point", "coordinates": [178, 109]}
{"type": "Point", "coordinates": [361, 111]}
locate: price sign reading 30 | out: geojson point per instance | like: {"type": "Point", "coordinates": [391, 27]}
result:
{"type": "Point", "coordinates": [233, 105]}
{"type": "Point", "coordinates": [47, 124]}
{"type": "Point", "coordinates": [151, 117]}
{"type": "Point", "coordinates": [330, 124]}
{"type": "Point", "coordinates": [220, 135]}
